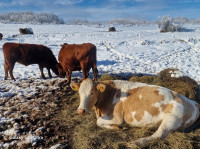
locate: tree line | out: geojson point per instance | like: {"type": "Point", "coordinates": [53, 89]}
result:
{"type": "Point", "coordinates": [30, 17]}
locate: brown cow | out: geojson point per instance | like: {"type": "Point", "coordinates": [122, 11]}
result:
{"type": "Point", "coordinates": [28, 54]}
{"type": "Point", "coordinates": [73, 57]}
{"type": "Point", "coordinates": [1, 36]}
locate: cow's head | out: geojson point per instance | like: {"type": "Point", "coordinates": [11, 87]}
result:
{"type": "Point", "coordinates": [61, 72]}
{"type": "Point", "coordinates": [88, 91]}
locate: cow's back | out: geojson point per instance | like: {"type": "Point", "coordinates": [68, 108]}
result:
{"type": "Point", "coordinates": [27, 54]}
{"type": "Point", "coordinates": [71, 55]}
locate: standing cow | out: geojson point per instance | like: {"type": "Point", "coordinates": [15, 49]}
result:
{"type": "Point", "coordinates": [73, 57]}
{"type": "Point", "coordinates": [28, 54]}
{"type": "Point", "coordinates": [138, 104]}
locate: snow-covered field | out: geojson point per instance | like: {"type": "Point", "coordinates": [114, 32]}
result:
{"type": "Point", "coordinates": [130, 50]}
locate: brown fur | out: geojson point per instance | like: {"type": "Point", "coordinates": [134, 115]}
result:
{"type": "Point", "coordinates": [167, 108]}
{"type": "Point", "coordinates": [1, 36]}
{"type": "Point", "coordinates": [73, 57]}
{"type": "Point", "coordinates": [28, 54]}
{"type": "Point", "coordinates": [105, 103]}
{"type": "Point", "coordinates": [149, 97]}
{"type": "Point", "coordinates": [106, 98]}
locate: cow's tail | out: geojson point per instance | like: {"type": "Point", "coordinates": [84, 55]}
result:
{"type": "Point", "coordinates": [195, 125]}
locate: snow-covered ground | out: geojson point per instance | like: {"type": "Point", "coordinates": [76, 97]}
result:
{"type": "Point", "coordinates": [130, 50]}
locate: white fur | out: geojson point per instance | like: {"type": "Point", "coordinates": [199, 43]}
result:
{"type": "Point", "coordinates": [85, 90]}
{"type": "Point", "coordinates": [195, 113]}
{"type": "Point", "coordinates": [147, 120]}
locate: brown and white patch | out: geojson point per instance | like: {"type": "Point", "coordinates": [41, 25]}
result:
{"type": "Point", "coordinates": [134, 103]}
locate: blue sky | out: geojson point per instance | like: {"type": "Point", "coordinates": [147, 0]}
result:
{"type": "Point", "coordinates": [102, 10]}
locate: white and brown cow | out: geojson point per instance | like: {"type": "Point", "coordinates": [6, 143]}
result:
{"type": "Point", "coordinates": [138, 104]}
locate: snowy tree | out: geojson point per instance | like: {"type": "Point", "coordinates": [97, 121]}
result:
{"type": "Point", "coordinates": [168, 24]}
{"type": "Point", "coordinates": [30, 17]}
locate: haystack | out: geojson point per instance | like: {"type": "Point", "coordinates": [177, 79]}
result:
{"type": "Point", "coordinates": [106, 77]}
{"type": "Point", "coordinates": [23, 31]}
{"type": "Point", "coordinates": [112, 29]}
{"type": "Point", "coordinates": [172, 79]}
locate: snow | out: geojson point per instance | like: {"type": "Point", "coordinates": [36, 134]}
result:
{"type": "Point", "coordinates": [129, 50]}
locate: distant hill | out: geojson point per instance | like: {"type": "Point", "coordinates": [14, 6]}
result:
{"type": "Point", "coordinates": [30, 17]}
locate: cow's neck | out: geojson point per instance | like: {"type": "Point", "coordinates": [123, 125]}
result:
{"type": "Point", "coordinates": [105, 99]}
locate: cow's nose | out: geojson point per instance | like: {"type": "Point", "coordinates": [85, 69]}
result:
{"type": "Point", "coordinates": [81, 111]}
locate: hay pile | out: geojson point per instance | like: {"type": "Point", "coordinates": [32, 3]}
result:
{"type": "Point", "coordinates": [174, 80]}
{"type": "Point", "coordinates": [105, 77]}
{"type": "Point", "coordinates": [112, 29]}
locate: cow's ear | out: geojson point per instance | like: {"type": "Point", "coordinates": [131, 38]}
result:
{"type": "Point", "coordinates": [101, 87]}
{"type": "Point", "coordinates": [75, 86]}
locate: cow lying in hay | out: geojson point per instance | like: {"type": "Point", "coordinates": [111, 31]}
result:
{"type": "Point", "coordinates": [138, 104]}
{"type": "Point", "coordinates": [28, 54]}
{"type": "Point", "coordinates": [73, 57]}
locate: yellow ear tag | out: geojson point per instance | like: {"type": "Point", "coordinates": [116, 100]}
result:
{"type": "Point", "coordinates": [75, 89]}
{"type": "Point", "coordinates": [75, 86]}
{"type": "Point", "coordinates": [101, 89]}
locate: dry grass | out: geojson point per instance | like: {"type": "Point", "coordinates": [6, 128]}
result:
{"type": "Point", "coordinates": [142, 79]}
{"type": "Point", "coordinates": [105, 77]}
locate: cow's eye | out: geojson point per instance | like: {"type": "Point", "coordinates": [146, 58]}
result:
{"type": "Point", "coordinates": [91, 93]}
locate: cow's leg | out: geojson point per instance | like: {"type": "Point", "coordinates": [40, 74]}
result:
{"type": "Point", "coordinates": [49, 72]}
{"type": "Point", "coordinates": [95, 71]}
{"type": "Point", "coordinates": [6, 71]}
{"type": "Point", "coordinates": [42, 73]}
{"type": "Point", "coordinates": [10, 70]}
{"type": "Point", "coordinates": [85, 73]}
{"type": "Point", "coordinates": [169, 124]}
{"type": "Point", "coordinates": [69, 73]}
{"type": "Point", "coordinates": [109, 122]}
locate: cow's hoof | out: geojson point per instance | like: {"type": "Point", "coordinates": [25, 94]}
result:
{"type": "Point", "coordinates": [114, 127]}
